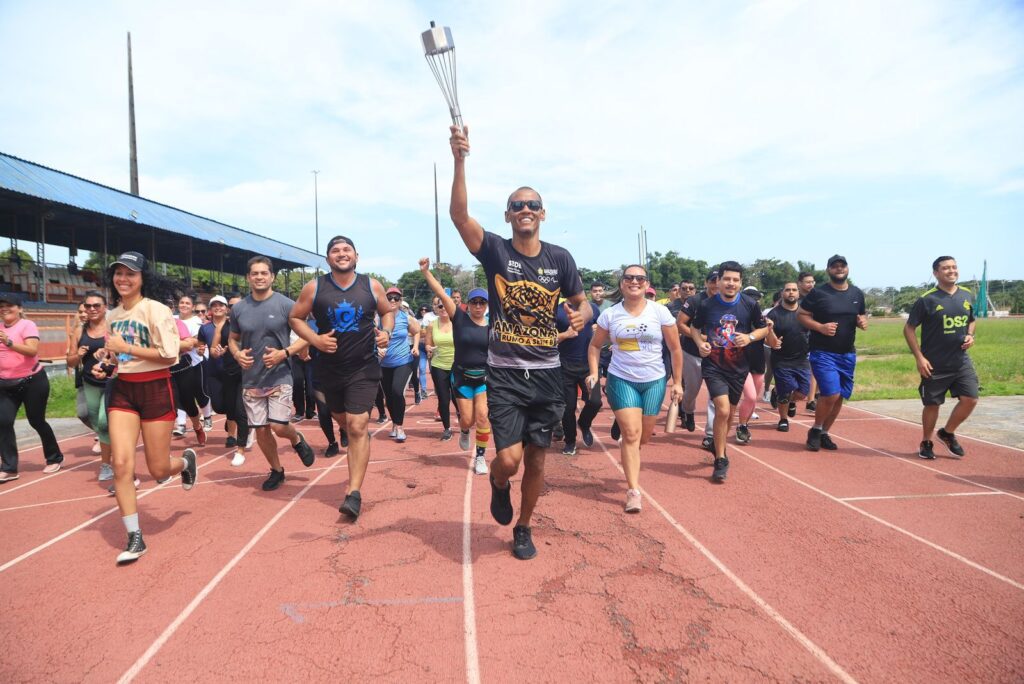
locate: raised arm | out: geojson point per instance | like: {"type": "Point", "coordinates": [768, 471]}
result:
{"type": "Point", "coordinates": [437, 288]}
{"type": "Point", "coordinates": [471, 231]}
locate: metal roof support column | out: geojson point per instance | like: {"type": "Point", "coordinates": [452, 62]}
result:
{"type": "Point", "coordinates": [41, 256]}
{"type": "Point", "coordinates": [189, 279]}
{"type": "Point", "coordinates": [152, 245]}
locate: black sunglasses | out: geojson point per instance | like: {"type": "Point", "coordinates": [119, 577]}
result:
{"type": "Point", "coordinates": [477, 301]}
{"type": "Point", "coordinates": [635, 278]}
{"type": "Point", "coordinates": [394, 298]}
{"type": "Point", "coordinates": [92, 306]}
{"type": "Point", "coordinates": [518, 205]}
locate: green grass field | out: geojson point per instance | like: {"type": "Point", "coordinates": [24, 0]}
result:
{"type": "Point", "coordinates": [886, 369]}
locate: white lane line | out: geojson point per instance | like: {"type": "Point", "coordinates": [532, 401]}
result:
{"type": "Point", "coordinates": [469, 599]}
{"type": "Point", "coordinates": [144, 659]}
{"type": "Point", "coordinates": [918, 462]}
{"type": "Point", "coordinates": [917, 496]}
{"type": "Point", "coordinates": [941, 549]}
{"type": "Point", "coordinates": [47, 477]}
{"type": "Point", "coordinates": [45, 545]}
{"type": "Point", "coordinates": [910, 422]}
{"type": "Point", "coordinates": [802, 639]}
{"type": "Point", "coordinates": [59, 441]}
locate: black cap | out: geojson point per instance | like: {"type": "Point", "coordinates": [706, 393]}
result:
{"type": "Point", "coordinates": [712, 275]}
{"type": "Point", "coordinates": [14, 298]}
{"type": "Point", "coordinates": [340, 238]}
{"type": "Point", "coordinates": [132, 260]}
{"type": "Point", "coordinates": [752, 291]}
{"type": "Point", "coordinates": [834, 258]}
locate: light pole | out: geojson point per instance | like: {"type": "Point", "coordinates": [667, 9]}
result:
{"type": "Point", "coordinates": [316, 218]}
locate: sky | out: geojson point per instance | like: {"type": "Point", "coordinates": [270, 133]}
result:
{"type": "Point", "coordinates": [887, 132]}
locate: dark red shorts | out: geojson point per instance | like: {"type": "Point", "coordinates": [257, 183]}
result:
{"type": "Point", "coordinates": [147, 394]}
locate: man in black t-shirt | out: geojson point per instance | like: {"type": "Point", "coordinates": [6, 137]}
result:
{"type": "Point", "coordinates": [832, 312]}
{"type": "Point", "coordinates": [572, 352]}
{"type": "Point", "coordinates": [692, 360]}
{"type": "Point", "coordinates": [722, 327]}
{"type": "Point", "coordinates": [788, 341]}
{"type": "Point", "coordinates": [946, 316]}
{"type": "Point", "coordinates": [525, 278]}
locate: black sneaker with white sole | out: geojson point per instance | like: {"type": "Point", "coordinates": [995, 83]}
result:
{"type": "Point", "coordinates": [791, 411]}
{"type": "Point", "coordinates": [522, 543]}
{"type": "Point", "coordinates": [742, 434]}
{"type": "Point", "coordinates": [783, 425]}
{"type": "Point", "coordinates": [721, 469]}
{"type": "Point", "coordinates": [352, 505]}
{"type": "Point", "coordinates": [274, 481]}
{"type": "Point", "coordinates": [708, 444]}
{"type": "Point", "coordinates": [135, 549]}
{"type": "Point", "coordinates": [926, 450]}
{"type": "Point", "coordinates": [949, 439]}
{"type": "Point", "coordinates": [587, 436]}
{"type": "Point", "coordinates": [569, 449]}
{"type": "Point", "coordinates": [188, 475]}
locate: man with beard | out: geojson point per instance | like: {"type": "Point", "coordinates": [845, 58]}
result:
{"type": "Point", "coordinates": [805, 283]}
{"type": "Point", "coordinates": [347, 370]}
{"type": "Point", "coordinates": [722, 327]}
{"type": "Point", "coordinates": [788, 342]}
{"type": "Point", "coordinates": [525, 278]}
{"type": "Point", "coordinates": [259, 342]}
{"type": "Point", "coordinates": [597, 295]}
{"type": "Point", "coordinates": [946, 316]}
{"type": "Point", "coordinates": [832, 312]}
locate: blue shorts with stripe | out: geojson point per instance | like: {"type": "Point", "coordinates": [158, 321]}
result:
{"type": "Point", "coordinates": [624, 394]}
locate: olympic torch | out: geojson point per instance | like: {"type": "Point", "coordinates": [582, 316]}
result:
{"type": "Point", "coordinates": [439, 51]}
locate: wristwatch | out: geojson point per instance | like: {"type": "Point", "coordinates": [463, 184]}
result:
{"type": "Point", "coordinates": [9, 342]}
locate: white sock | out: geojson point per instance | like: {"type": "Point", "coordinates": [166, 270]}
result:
{"type": "Point", "coordinates": [131, 522]}
{"type": "Point", "coordinates": [181, 418]}
{"type": "Point", "coordinates": [208, 410]}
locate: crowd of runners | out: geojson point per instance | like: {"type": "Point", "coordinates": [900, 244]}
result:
{"type": "Point", "coordinates": [515, 361]}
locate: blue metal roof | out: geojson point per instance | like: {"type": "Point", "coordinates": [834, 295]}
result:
{"type": "Point", "coordinates": [33, 180]}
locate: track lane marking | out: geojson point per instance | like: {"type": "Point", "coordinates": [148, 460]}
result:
{"type": "Point", "coordinates": [46, 477]}
{"type": "Point", "coordinates": [916, 496]}
{"type": "Point", "coordinates": [819, 653]}
{"type": "Point", "coordinates": [469, 597]}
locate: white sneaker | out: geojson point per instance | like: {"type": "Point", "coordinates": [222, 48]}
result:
{"type": "Point", "coordinates": [464, 441]}
{"type": "Point", "coordinates": [96, 446]}
{"type": "Point", "coordinates": [767, 398]}
{"type": "Point", "coordinates": [238, 459]}
{"type": "Point", "coordinates": [106, 472]}
{"type": "Point", "coordinates": [754, 416]}
{"type": "Point", "coordinates": [633, 501]}
{"type": "Point", "coordinates": [250, 439]}
{"type": "Point", "coordinates": [208, 423]}
{"type": "Point", "coordinates": [178, 431]}
{"type": "Point", "coordinates": [479, 465]}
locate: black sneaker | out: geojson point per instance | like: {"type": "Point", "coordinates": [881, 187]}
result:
{"type": "Point", "coordinates": [812, 405]}
{"type": "Point", "coordinates": [814, 439]}
{"type": "Point", "coordinates": [332, 450]}
{"type": "Point", "coordinates": [446, 435]}
{"type": "Point", "coordinates": [742, 434]}
{"type": "Point", "coordinates": [708, 443]}
{"type": "Point", "coordinates": [949, 439]}
{"type": "Point", "coordinates": [558, 434]}
{"type": "Point", "coordinates": [827, 443]}
{"type": "Point", "coordinates": [501, 502]}
{"type": "Point", "coordinates": [688, 422]}
{"type": "Point", "coordinates": [522, 543]}
{"type": "Point", "coordinates": [792, 409]}
{"type": "Point", "coordinates": [783, 425]}
{"type": "Point", "coordinates": [188, 475]}
{"type": "Point", "coordinates": [721, 469]}
{"type": "Point", "coordinates": [926, 450]}
{"type": "Point", "coordinates": [587, 436]}
{"type": "Point", "coordinates": [274, 481]}
{"type": "Point", "coordinates": [569, 449]}
{"type": "Point", "coordinates": [135, 549]}
{"type": "Point", "coordinates": [305, 451]}
{"type": "Point", "coordinates": [352, 505]}
{"type": "Point", "coordinates": [344, 439]}
{"type": "Point", "coordinates": [773, 398]}
{"type": "Point", "coordinates": [381, 419]}
{"type": "Point", "coordinates": [230, 442]}
{"type": "Point", "coordinates": [616, 432]}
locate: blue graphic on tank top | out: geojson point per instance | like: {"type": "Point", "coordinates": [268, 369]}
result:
{"type": "Point", "coordinates": [345, 318]}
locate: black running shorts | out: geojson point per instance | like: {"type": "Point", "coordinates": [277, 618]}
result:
{"type": "Point", "coordinates": [348, 392]}
{"type": "Point", "coordinates": [721, 382]}
{"type": "Point", "coordinates": [959, 383]}
{"type": "Point", "coordinates": [524, 405]}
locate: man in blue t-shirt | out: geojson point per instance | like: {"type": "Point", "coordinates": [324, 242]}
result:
{"type": "Point", "coordinates": [832, 312]}
{"type": "Point", "coordinates": [525, 279]}
{"type": "Point", "coordinates": [946, 316]}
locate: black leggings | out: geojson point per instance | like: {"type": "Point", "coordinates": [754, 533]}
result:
{"type": "Point", "coordinates": [443, 390]}
{"type": "Point", "coordinates": [189, 385]}
{"type": "Point", "coordinates": [34, 393]}
{"type": "Point", "coordinates": [226, 395]}
{"type": "Point", "coordinates": [574, 378]}
{"type": "Point", "coordinates": [394, 380]}
{"type": "Point", "coordinates": [302, 387]}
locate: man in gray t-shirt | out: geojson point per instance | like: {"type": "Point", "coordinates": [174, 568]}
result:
{"type": "Point", "coordinates": [260, 343]}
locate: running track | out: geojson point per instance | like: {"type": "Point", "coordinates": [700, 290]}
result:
{"type": "Point", "coordinates": [866, 564]}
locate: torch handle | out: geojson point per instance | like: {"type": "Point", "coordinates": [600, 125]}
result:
{"type": "Point", "coordinates": [457, 120]}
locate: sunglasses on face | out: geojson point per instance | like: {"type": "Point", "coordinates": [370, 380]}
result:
{"type": "Point", "coordinates": [479, 302]}
{"type": "Point", "coordinates": [518, 205]}
{"type": "Point", "coordinates": [634, 279]}
{"type": "Point", "coordinates": [394, 298]}
{"type": "Point", "coordinates": [200, 311]}
{"type": "Point", "coordinates": [92, 306]}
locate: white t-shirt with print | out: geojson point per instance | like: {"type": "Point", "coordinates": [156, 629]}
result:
{"type": "Point", "coordinates": [636, 341]}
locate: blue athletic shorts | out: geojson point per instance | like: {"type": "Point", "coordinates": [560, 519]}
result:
{"type": "Point", "coordinates": [834, 372]}
{"type": "Point", "coordinates": [466, 391]}
{"type": "Point", "coordinates": [789, 380]}
{"type": "Point", "coordinates": [642, 395]}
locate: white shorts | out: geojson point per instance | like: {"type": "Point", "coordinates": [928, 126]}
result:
{"type": "Point", "coordinates": [264, 405]}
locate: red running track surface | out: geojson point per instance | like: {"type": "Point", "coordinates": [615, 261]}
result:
{"type": "Point", "coordinates": [866, 564]}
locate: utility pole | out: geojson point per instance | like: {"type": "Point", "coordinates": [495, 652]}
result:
{"type": "Point", "coordinates": [316, 212]}
{"type": "Point", "coordinates": [437, 224]}
{"type": "Point", "coordinates": [133, 153]}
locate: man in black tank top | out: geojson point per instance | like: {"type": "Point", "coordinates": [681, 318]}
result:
{"type": "Point", "coordinates": [347, 370]}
